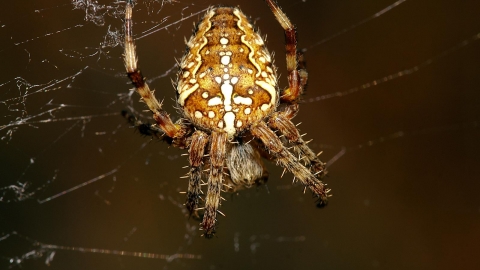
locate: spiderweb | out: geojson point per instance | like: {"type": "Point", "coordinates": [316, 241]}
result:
{"type": "Point", "coordinates": [392, 102]}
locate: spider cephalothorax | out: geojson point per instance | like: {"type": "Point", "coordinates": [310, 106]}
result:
{"type": "Point", "coordinates": [228, 94]}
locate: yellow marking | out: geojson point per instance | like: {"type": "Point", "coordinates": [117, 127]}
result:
{"type": "Point", "coordinates": [236, 12]}
{"type": "Point", "coordinates": [250, 55]}
{"type": "Point", "coordinates": [225, 60]}
{"type": "Point", "coordinates": [214, 101]}
{"type": "Point", "coordinates": [227, 90]}
{"type": "Point", "coordinates": [223, 41]}
{"type": "Point", "coordinates": [203, 42]}
{"type": "Point", "coordinates": [229, 118]}
{"type": "Point", "coordinates": [184, 95]}
{"type": "Point", "coordinates": [242, 100]}
{"type": "Point", "coordinates": [269, 81]}
{"type": "Point", "coordinates": [270, 89]}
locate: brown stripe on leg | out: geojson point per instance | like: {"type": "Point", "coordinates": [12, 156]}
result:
{"type": "Point", "coordinates": [280, 122]}
{"type": "Point", "coordinates": [290, 162]}
{"type": "Point", "coordinates": [291, 94]}
{"type": "Point", "coordinates": [218, 143]}
{"type": "Point", "coordinates": [130, 59]}
{"type": "Point", "coordinates": [302, 71]}
{"type": "Point", "coordinates": [196, 154]}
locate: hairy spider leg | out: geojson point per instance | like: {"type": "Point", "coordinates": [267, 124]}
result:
{"type": "Point", "coordinates": [280, 121]}
{"type": "Point", "coordinates": [130, 58]}
{"type": "Point", "coordinates": [290, 162]}
{"type": "Point", "coordinates": [196, 154]}
{"type": "Point", "coordinates": [297, 79]}
{"type": "Point", "coordinates": [302, 71]}
{"type": "Point", "coordinates": [215, 181]}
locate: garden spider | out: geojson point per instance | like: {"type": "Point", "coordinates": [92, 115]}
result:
{"type": "Point", "coordinates": [231, 107]}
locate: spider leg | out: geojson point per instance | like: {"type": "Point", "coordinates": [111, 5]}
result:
{"type": "Point", "coordinates": [290, 162]}
{"type": "Point", "coordinates": [146, 129]}
{"type": "Point", "coordinates": [302, 70]}
{"type": "Point", "coordinates": [297, 78]}
{"type": "Point", "coordinates": [217, 159]}
{"type": "Point", "coordinates": [196, 154]}
{"type": "Point", "coordinates": [130, 58]}
{"type": "Point", "coordinates": [282, 123]}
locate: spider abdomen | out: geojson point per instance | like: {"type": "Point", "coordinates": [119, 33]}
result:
{"type": "Point", "coordinates": [227, 79]}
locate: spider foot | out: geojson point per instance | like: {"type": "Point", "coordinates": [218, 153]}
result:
{"type": "Point", "coordinates": [321, 203]}
{"type": "Point", "coordinates": [208, 225]}
{"type": "Point", "coordinates": [322, 200]}
{"type": "Point", "coordinates": [192, 207]}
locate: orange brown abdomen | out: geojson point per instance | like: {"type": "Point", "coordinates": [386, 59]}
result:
{"type": "Point", "coordinates": [227, 79]}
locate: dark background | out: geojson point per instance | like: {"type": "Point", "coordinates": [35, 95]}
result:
{"type": "Point", "coordinates": [405, 189]}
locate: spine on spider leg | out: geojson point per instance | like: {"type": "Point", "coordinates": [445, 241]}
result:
{"type": "Point", "coordinates": [196, 153]}
{"type": "Point", "coordinates": [280, 122]}
{"type": "Point", "coordinates": [217, 159]}
{"type": "Point", "coordinates": [130, 59]}
{"type": "Point", "coordinates": [288, 161]}
{"type": "Point", "coordinates": [291, 94]}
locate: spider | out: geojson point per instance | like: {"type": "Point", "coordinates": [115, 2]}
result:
{"type": "Point", "coordinates": [231, 109]}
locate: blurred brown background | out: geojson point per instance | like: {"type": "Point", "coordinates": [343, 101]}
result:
{"type": "Point", "coordinates": [405, 189]}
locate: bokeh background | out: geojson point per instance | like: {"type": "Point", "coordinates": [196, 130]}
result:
{"type": "Point", "coordinates": [393, 103]}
